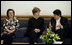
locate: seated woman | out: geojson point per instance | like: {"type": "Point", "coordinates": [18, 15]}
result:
{"type": "Point", "coordinates": [59, 24]}
{"type": "Point", "coordinates": [10, 25]}
{"type": "Point", "coordinates": [35, 26]}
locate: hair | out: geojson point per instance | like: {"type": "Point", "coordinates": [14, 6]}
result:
{"type": "Point", "coordinates": [8, 12]}
{"type": "Point", "coordinates": [35, 9]}
{"type": "Point", "coordinates": [57, 12]}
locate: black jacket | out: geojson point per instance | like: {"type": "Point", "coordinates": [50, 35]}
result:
{"type": "Point", "coordinates": [35, 23]}
{"type": "Point", "coordinates": [64, 23]}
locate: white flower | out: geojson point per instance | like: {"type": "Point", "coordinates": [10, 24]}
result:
{"type": "Point", "coordinates": [53, 34]}
{"type": "Point", "coordinates": [40, 36]}
{"type": "Point", "coordinates": [47, 33]}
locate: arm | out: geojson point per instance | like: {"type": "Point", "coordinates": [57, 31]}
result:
{"type": "Point", "coordinates": [65, 26]}
{"type": "Point", "coordinates": [42, 28]}
{"type": "Point", "coordinates": [65, 23]}
{"type": "Point", "coordinates": [17, 25]}
{"type": "Point", "coordinates": [5, 26]}
{"type": "Point", "coordinates": [52, 23]}
{"type": "Point", "coordinates": [30, 27]}
{"type": "Point", "coordinates": [9, 31]}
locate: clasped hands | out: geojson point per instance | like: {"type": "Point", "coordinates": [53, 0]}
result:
{"type": "Point", "coordinates": [37, 30]}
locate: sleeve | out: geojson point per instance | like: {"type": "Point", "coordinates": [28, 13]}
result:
{"type": "Point", "coordinates": [52, 21]}
{"type": "Point", "coordinates": [65, 23]}
{"type": "Point", "coordinates": [5, 24]}
{"type": "Point", "coordinates": [2, 27]}
{"type": "Point", "coordinates": [61, 27]}
{"type": "Point", "coordinates": [30, 28]}
{"type": "Point", "coordinates": [65, 27]}
{"type": "Point", "coordinates": [53, 24]}
{"type": "Point", "coordinates": [42, 26]}
{"type": "Point", "coordinates": [17, 24]}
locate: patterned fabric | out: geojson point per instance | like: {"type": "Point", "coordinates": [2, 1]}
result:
{"type": "Point", "coordinates": [11, 24]}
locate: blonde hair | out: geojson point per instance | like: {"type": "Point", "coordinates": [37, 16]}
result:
{"type": "Point", "coordinates": [35, 9]}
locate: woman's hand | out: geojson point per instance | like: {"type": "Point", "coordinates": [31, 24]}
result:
{"type": "Point", "coordinates": [50, 24]}
{"type": "Point", "coordinates": [37, 30]}
{"type": "Point", "coordinates": [11, 31]}
{"type": "Point", "coordinates": [59, 25]}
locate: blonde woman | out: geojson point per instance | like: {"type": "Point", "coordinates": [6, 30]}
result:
{"type": "Point", "coordinates": [35, 26]}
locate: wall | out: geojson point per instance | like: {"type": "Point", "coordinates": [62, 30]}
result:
{"type": "Point", "coordinates": [25, 7]}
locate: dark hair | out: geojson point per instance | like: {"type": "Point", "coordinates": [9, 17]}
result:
{"type": "Point", "coordinates": [35, 9]}
{"type": "Point", "coordinates": [57, 12]}
{"type": "Point", "coordinates": [8, 12]}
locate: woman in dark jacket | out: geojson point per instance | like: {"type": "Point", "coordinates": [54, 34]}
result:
{"type": "Point", "coordinates": [59, 24]}
{"type": "Point", "coordinates": [35, 26]}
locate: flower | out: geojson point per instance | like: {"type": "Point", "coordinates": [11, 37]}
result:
{"type": "Point", "coordinates": [50, 36]}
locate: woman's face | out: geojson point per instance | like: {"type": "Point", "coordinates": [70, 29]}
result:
{"type": "Point", "coordinates": [10, 13]}
{"type": "Point", "coordinates": [37, 14]}
{"type": "Point", "coordinates": [56, 16]}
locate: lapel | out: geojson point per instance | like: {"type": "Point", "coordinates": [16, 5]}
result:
{"type": "Point", "coordinates": [54, 23]}
{"type": "Point", "coordinates": [61, 21]}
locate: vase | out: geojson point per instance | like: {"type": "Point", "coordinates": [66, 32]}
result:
{"type": "Point", "coordinates": [50, 42]}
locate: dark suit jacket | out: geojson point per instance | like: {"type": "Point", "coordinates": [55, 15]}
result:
{"type": "Point", "coordinates": [35, 23]}
{"type": "Point", "coordinates": [64, 23]}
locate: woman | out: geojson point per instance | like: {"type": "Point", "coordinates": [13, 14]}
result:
{"type": "Point", "coordinates": [35, 26]}
{"type": "Point", "coordinates": [59, 24]}
{"type": "Point", "coordinates": [10, 25]}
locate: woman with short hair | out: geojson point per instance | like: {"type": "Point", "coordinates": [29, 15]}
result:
{"type": "Point", "coordinates": [59, 24]}
{"type": "Point", "coordinates": [35, 26]}
{"type": "Point", "coordinates": [10, 25]}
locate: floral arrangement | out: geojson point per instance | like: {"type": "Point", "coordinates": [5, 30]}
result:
{"type": "Point", "coordinates": [50, 37]}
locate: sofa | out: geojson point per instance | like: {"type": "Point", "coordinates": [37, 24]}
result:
{"type": "Point", "coordinates": [20, 33]}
